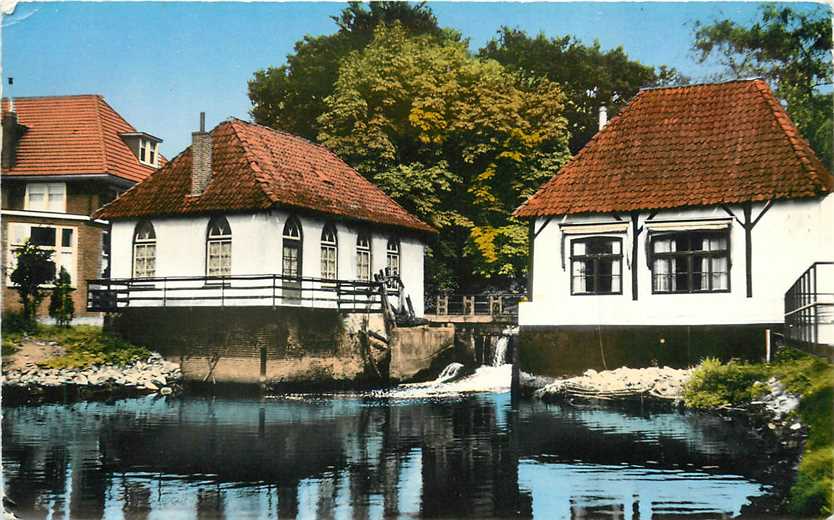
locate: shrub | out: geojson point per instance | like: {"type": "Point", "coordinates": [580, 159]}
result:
{"type": "Point", "coordinates": [34, 269]}
{"type": "Point", "coordinates": [87, 346]}
{"type": "Point", "coordinates": [61, 306]}
{"type": "Point", "coordinates": [714, 385]}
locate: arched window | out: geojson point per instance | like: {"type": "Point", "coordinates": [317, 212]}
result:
{"type": "Point", "coordinates": [363, 256]}
{"type": "Point", "coordinates": [329, 252]}
{"type": "Point", "coordinates": [291, 261]}
{"type": "Point", "coordinates": [219, 247]}
{"type": "Point", "coordinates": [392, 262]}
{"type": "Point", "coordinates": [144, 250]}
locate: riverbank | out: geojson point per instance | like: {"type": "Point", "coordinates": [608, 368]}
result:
{"type": "Point", "coordinates": [788, 402]}
{"type": "Point", "coordinates": [83, 361]}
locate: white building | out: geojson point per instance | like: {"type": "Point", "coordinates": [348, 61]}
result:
{"type": "Point", "coordinates": [251, 216]}
{"type": "Point", "coordinates": [695, 207]}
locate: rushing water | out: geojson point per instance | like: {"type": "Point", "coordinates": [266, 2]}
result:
{"type": "Point", "coordinates": [360, 456]}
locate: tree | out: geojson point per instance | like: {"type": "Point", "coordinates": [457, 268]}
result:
{"type": "Point", "coordinates": [61, 306]}
{"type": "Point", "coordinates": [291, 97]}
{"type": "Point", "coordinates": [589, 76]}
{"type": "Point", "coordinates": [34, 269]}
{"type": "Point", "coordinates": [791, 48]}
{"type": "Point", "coordinates": [457, 140]}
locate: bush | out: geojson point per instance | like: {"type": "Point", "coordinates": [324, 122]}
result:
{"type": "Point", "coordinates": [87, 346]}
{"type": "Point", "coordinates": [34, 269]}
{"type": "Point", "coordinates": [61, 306]}
{"type": "Point", "coordinates": [714, 385]}
{"type": "Point", "coordinates": [16, 323]}
{"type": "Point", "coordinates": [811, 494]}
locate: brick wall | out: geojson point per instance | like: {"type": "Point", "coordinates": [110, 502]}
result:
{"type": "Point", "coordinates": [88, 262]}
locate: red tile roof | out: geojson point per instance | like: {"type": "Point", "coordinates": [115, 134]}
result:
{"type": "Point", "coordinates": [255, 168]}
{"type": "Point", "coordinates": [698, 145]}
{"type": "Point", "coordinates": [73, 135]}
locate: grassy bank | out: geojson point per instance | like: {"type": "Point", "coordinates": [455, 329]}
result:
{"type": "Point", "coordinates": [83, 345]}
{"type": "Point", "coordinates": [714, 385]}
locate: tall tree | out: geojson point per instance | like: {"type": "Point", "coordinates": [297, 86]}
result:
{"type": "Point", "coordinates": [291, 97]}
{"type": "Point", "coordinates": [459, 141]}
{"type": "Point", "coordinates": [791, 48]}
{"type": "Point", "coordinates": [589, 76]}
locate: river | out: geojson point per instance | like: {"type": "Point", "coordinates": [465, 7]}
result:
{"type": "Point", "coordinates": [401, 454]}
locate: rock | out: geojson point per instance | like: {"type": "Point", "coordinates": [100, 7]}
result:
{"type": "Point", "coordinates": [771, 426]}
{"type": "Point", "coordinates": [80, 380]}
{"type": "Point", "coordinates": [796, 426]}
{"type": "Point", "coordinates": [166, 391]}
{"type": "Point", "coordinates": [151, 386]}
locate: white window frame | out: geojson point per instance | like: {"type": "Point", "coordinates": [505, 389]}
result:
{"type": "Point", "coordinates": [223, 242]}
{"type": "Point", "coordinates": [144, 245]}
{"type": "Point", "coordinates": [62, 256]}
{"type": "Point", "coordinates": [393, 260]}
{"type": "Point", "coordinates": [48, 188]}
{"type": "Point", "coordinates": [148, 152]}
{"type": "Point", "coordinates": [329, 253]}
{"type": "Point", "coordinates": [363, 250]}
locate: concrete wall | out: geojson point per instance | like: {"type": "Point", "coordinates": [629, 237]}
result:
{"type": "Point", "coordinates": [257, 248]}
{"type": "Point", "coordinates": [788, 238]}
{"type": "Point", "coordinates": [414, 349]}
{"type": "Point", "coordinates": [570, 350]}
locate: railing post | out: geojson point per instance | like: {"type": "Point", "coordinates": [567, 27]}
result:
{"type": "Point", "coordinates": [222, 292]}
{"type": "Point", "coordinates": [273, 290]}
{"type": "Point", "coordinates": [164, 292]}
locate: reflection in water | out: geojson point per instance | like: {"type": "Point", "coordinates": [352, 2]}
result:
{"type": "Point", "coordinates": [195, 457]}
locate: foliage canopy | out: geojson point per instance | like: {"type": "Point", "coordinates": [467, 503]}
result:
{"type": "Point", "coordinates": [459, 141]}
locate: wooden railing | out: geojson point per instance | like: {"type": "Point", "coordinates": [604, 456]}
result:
{"type": "Point", "coordinates": [112, 294]}
{"type": "Point", "coordinates": [809, 306]}
{"type": "Point", "coordinates": [504, 305]}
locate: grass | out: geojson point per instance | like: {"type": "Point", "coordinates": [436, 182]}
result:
{"type": "Point", "coordinates": [84, 346]}
{"type": "Point", "coordinates": [715, 385]}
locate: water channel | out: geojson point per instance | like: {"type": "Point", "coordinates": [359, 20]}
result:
{"type": "Point", "coordinates": [406, 453]}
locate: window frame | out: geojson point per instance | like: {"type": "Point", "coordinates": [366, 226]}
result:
{"type": "Point", "coordinates": [58, 250]}
{"type": "Point", "coordinates": [595, 257]}
{"type": "Point", "coordinates": [360, 249]}
{"type": "Point", "coordinates": [144, 242]}
{"type": "Point", "coordinates": [148, 152]}
{"type": "Point", "coordinates": [393, 253]}
{"type": "Point", "coordinates": [329, 245]}
{"type": "Point", "coordinates": [221, 222]}
{"type": "Point", "coordinates": [299, 242]}
{"type": "Point", "coordinates": [690, 255]}
{"type": "Point", "coordinates": [27, 205]}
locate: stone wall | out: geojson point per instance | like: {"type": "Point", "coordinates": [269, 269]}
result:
{"type": "Point", "coordinates": [413, 349]}
{"type": "Point", "coordinates": [568, 351]}
{"type": "Point", "coordinates": [253, 344]}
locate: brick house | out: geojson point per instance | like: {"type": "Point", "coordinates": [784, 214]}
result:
{"type": "Point", "coordinates": [675, 232]}
{"type": "Point", "coordinates": [63, 158]}
{"type": "Point", "coordinates": [250, 216]}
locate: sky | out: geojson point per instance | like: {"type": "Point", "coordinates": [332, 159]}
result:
{"type": "Point", "coordinates": [160, 64]}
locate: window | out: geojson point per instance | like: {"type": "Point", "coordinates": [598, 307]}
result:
{"type": "Point", "coordinates": [105, 254]}
{"type": "Point", "coordinates": [363, 257]}
{"type": "Point", "coordinates": [392, 262]}
{"type": "Point", "coordinates": [44, 196]}
{"type": "Point", "coordinates": [291, 261]}
{"type": "Point", "coordinates": [329, 252]}
{"type": "Point", "coordinates": [596, 265]}
{"type": "Point", "coordinates": [219, 248]}
{"type": "Point", "coordinates": [144, 251]}
{"type": "Point", "coordinates": [58, 239]}
{"type": "Point", "coordinates": [692, 261]}
{"type": "Point", "coordinates": [148, 151]}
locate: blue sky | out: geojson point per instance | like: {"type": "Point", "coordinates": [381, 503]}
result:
{"type": "Point", "coordinates": [160, 64]}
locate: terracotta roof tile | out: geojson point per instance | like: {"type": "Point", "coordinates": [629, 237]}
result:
{"type": "Point", "coordinates": [255, 168]}
{"type": "Point", "coordinates": [73, 135]}
{"type": "Point", "coordinates": [723, 143]}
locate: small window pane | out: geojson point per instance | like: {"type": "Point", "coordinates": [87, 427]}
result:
{"type": "Point", "coordinates": [66, 238]}
{"type": "Point", "coordinates": [43, 236]}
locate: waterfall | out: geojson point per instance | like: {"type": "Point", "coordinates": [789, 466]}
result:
{"type": "Point", "coordinates": [450, 372]}
{"type": "Point", "coordinates": [499, 357]}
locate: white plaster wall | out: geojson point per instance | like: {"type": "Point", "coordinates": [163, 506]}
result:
{"type": "Point", "coordinates": [257, 246]}
{"type": "Point", "coordinates": [788, 238]}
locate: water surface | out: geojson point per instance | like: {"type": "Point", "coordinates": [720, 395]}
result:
{"type": "Point", "coordinates": [359, 457]}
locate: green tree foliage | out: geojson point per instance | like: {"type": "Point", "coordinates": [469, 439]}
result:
{"type": "Point", "coordinates": [34, 269]}
{"type": "Point", "coordinates": [791, 48]}
{"type": "Point", "coordinates": [291, 97]}
{"type": "Point", "coordinates": [61, 306]}
{"type": "Point", "coordinates": [457, 140]}
{"type": "Point", "coordinates": [589, 76]}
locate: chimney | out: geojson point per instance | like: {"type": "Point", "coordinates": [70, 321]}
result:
{"type": "Point", "coordinates": [603, 117]}
{"type": "Point", "coordinates": [12, 132]}
{"type": "Point", "coordinates": [200, 158]}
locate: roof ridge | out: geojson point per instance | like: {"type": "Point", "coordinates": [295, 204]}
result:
{"type": "Point", "coordinates": [795, 140]}
{"type": "Point", "coordinates": [259, 180]}
{"type": "Point", "coordinates": [56, 96]}
{"type": "Point", "coordinates": [105, 162]}
{"type": "Point", "coordinates": [703, 84]}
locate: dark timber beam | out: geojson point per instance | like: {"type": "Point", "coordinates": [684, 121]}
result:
{"type": "Point", "coordinates": [748, 246]}
{"type": "Point", "coordinates": [531, 241]}
{"type": "Point", "coordinates": [635, 232]}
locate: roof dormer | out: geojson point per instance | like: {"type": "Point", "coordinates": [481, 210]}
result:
{"type": "Point", "coordinates": [144, 146]}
